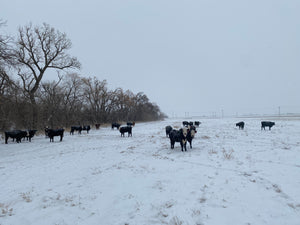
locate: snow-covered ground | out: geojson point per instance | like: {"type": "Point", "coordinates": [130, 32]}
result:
{"type": "Point", "coordinates": [230, 176]}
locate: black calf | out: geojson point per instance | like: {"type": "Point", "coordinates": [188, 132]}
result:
{"type": "Point", "coordinates": [126, 129]}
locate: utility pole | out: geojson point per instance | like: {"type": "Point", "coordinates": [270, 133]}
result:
{"type": "Point", "coordinates": [279, 111]}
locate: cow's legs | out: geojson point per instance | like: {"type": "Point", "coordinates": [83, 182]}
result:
{"type": "Point", "coordinates": [172, 144]}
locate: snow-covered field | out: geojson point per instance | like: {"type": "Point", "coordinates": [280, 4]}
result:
{"type": "Point", "coordinates": [230, 177]}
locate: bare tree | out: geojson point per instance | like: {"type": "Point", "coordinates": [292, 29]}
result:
{"type": "Point", "coordinates": [5, 53]}
{"type": "Point", "coordinates": [51, 99]}
{"type": "Point", "coordinates": [97, 98]}
{"type": "Point", "coordinates": [73, 98]}
{"type": "Point", "coordinates": [6, 84]}
{"type": "Point", "coordinates": [38, 49]}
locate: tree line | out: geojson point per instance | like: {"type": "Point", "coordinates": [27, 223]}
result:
{"type": "Point", "coordinates": [29, 101]}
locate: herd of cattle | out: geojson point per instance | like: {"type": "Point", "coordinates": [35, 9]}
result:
{"type": "Point", "coordinates": [183, 135]}
{"type": "Point", "coordinates": [20, 135]}
{"type": "Point", "coordinates": [187, 133]}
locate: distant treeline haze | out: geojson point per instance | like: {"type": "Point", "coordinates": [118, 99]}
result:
{"type": "Point", "coordinates": [29, 102]}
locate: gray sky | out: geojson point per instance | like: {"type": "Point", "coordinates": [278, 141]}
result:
{"type": "Point", "coordinates": [195, 56]}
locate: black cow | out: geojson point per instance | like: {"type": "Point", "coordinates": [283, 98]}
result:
{"type": "Point", "coordinates": [130, 123]}
{"type": "Point", "coordinates": [197, 123]}
{"type": "Point", "coordinates": [240, 125]}
{"type": "Point", "coordinates": [179, 136]}
{"type": "Point", "coordinates": [267, 124]}
{"type": "Point", "coordinates": [15, 134]}
{"type": "Point", "coordinates": [30, 134]}
{"type": "Point", "coordinates": [168, 130]}
{"type": "Point", "coordinates": [191, 134]}
{"type": "Point", "coordinates": [86, 127]}
{"type": "Point", "coordinates": [54, 132]}
{"type": "Point", "coordinates": [77, 128]}
{"type": "Point", "coordinates": [126, 129]}
{"type": "Point", "coordinates": [117, 125]}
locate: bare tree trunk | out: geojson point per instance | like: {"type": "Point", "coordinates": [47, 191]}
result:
{"type": "Point", "coordinates": [34, 112]}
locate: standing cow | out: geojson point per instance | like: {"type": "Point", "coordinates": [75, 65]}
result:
{"type": "Point", "coordinates": [179, 136]}
{"type": "Point", "coordinates": [30, 134]}
{"type": "Point", "coordinates": [127, 129]}
{"type": "Point", "coordinates": [86, 127]}
{"type": "Point", "coordinates": [117, 125]}
{"type": "Point", "coordinates": [267, 124]}
{"type": "Point", "coordinates": [54, 132]}
{"type": "Point", "coordinates": [197, 123]}
{"type": "Point", "coordinates": [77, 128]}
{"type": "Point", "coordinates": [240, 125]}
{"type": "Point", "coordinates": [15, 134]}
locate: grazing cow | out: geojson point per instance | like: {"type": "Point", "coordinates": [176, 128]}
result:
{"type": "Point", "coordinates": [15, 134]}
{"type": "Point", "coordinates": [117, 125]}
{"type": "Point", "coordinates": [168, 130]}
{"type": "Point", "coordinates": [191, 134]}
{"type": "Point", "coordinates": [179, 136]}
{"type": "Point", "coordinates": [126, 129]}
{"type": "Point", "coordinates": [97, 125]}
{"type": "Point", "coordinates": [77, 128]}
{"type": "Point", "coordinates": [86, 127]}
{"type": "Point", "coordinates": [185, 123]}
{"type": "Point", "coordinates": [30, 134]}
{"type": "Point", "coordinates": [197, 123]}
{"type": "Point", "coordinates": [130, 123]}
{"type": "Point", "coordinates": [54, 132]}
{"type": "Point", "coordinates": [240, 125]}
{"type": "Point", "coordinates": [267, 124]}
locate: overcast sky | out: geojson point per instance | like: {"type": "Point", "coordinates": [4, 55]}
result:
{"type": "Point", "coordinates": [191, 57]}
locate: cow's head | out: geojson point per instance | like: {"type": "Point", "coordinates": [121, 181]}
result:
{"type": "Point", "coordinates": [184, 131]}
{"type": "Point", "coordinates": [193, 132]}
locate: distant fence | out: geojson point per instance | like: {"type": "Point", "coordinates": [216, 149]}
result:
{"type": "Point", "coordinates": [268, 111]}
